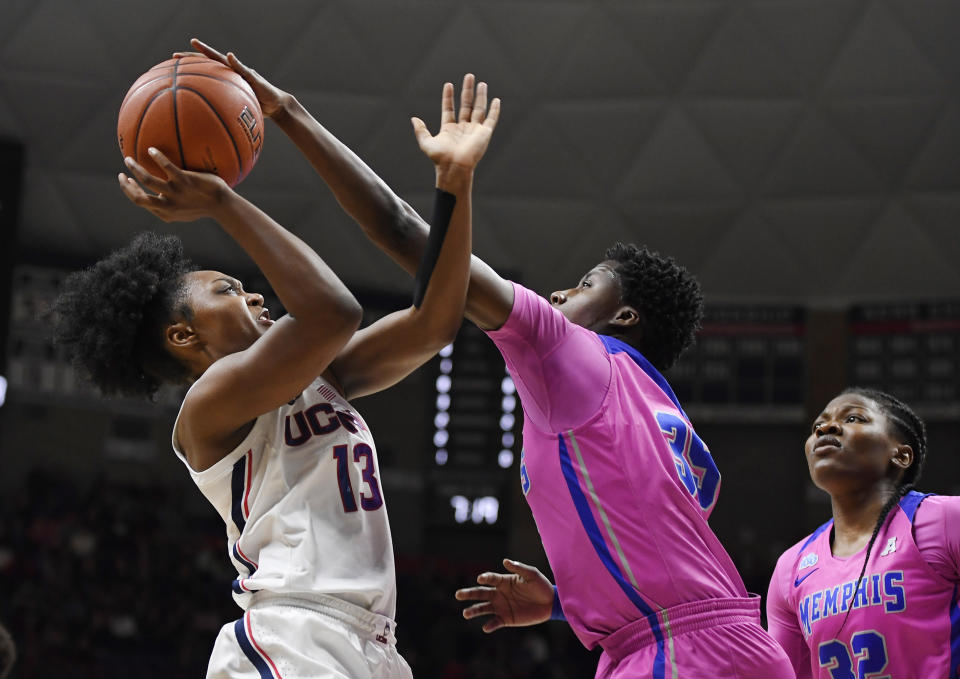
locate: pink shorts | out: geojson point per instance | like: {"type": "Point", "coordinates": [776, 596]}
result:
{"type": "Point", "coordinates": [712, 639]}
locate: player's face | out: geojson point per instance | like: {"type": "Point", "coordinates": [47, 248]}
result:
{"type": "Point", "coordinates": [595, 300]}
{"type": "Point", "coordinates": [226, 318]}
{"type": "Point", "coordinates": [851, 446]}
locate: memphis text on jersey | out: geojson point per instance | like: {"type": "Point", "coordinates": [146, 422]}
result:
{"type": "Point", "coordinates": [884, 589]}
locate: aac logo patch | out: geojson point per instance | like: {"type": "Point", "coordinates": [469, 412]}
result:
{"type": "Point", "coordinates": [808, 560]}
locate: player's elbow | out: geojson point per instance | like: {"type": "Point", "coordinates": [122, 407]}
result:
{"type": "Point", "coordinates": [405, 232]}
{"type": "Point", "coordinates": [439, 331]}
{"type": "Point", "coordinates": [350, 314]}
{"type": "Point", "coordinates": [340, 317]}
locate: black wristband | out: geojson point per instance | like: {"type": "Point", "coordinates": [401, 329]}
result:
{"type": "Point", "coordinates": [443, 204]}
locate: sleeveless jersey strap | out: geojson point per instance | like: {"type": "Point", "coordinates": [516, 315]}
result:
{"type": "Point", "coordinates": [814, 536]}
{"type": "Point", "coordinates": [809, 541]}
{"type": "Point", "coordinates": [909, 503]}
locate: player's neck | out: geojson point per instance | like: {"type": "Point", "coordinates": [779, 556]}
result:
{"type": "Point", "coordinates": [855, 515]}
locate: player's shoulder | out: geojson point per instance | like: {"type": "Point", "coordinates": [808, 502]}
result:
{"type": "Point", "coordinates": [932, 507]}
{"type": "Point", "coordinates": [936, 500]}
{"type": "Point", "coordinates": [801, 548]}
{"type": "Point", "coordinates": [528, 311]}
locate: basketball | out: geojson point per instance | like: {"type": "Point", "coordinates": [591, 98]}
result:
{"type": "Point", "coordinates": [198, 112]}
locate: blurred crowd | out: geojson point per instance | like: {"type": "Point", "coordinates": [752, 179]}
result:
{"type": "Point", "coordinates": [119, 581]}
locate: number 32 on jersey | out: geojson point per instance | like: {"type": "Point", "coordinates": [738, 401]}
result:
{"type": "Point", "coordinates": [695, 466]}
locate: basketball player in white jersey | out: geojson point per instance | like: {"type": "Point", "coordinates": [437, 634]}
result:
{"type": "Point", "coordinates": [266, 429]}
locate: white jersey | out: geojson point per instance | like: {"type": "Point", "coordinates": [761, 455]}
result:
{"type": "Point", "coordinates": [303, 505]}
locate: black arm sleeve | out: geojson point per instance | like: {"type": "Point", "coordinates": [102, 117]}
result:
{"type": "Point", "coordinates": [443, 204]}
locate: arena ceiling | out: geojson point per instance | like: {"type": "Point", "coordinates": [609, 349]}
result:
{"type": "Point", "coordinates": [786, 150]}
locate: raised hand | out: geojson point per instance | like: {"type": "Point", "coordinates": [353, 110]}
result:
{"type": "Point", "coordinates": [183, 197]}
{"type": "Point", "coordinates": [519, 598]}
{"type": "Point", "coordinates": [462, 140]}
{"type": "Point", "coordinates": [271, 98]}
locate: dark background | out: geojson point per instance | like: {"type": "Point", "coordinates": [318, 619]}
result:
{"type": "Point", "coordinates": [799, 156]}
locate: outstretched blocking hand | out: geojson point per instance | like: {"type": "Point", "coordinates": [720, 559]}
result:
{"type": "Point", "coordinates": [271, 98]}
{"type": "Point", "coordinates": [462, 140]}
{"type": "Point", "coordinates": [519, 598]}
{"type": "Point", "coordinates": [183, 197]}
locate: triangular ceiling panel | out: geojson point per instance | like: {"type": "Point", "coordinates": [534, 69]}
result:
{"type": "Point", "coordinates": [389, 148]}
{"type": "Point", "coordinates": [327, 53]}
{"type": "Point", "coordinates": [628, 124]}
{"type": "Point", "coordinates": [77, 52]}
{"type": "Point", "coordinates": [602, 62]}
{"type": "Point", "coordinates": [388, 36]}
{"type": "Point", "coordinates": [687, 232]}
{"type": "Point", "coordinates": [16, 15]}
{"type": "Point", "coordinates": [93, 143]}
{"type": "Point", "coordinates": [557, 25]}
{"type": "Point", "coordinates": [868, 125]}
{"type": "Point", "coordinates": [488, 242]}
{"type": "Point", "coordinates": [822, 235]}
{"type": "Point", "coordinates": [821, 161]}
{"type": "Point", "coordinates": [520, 169]}
{"type": "Point", "coordinates": [937, 165]}
{"type": "Point", "coordinates": [39, 110]}
{"type": "Point", "coordinates": [939, 217]}
{"type": "Point", "coordinates": [881, 58]}
{"type": "Point", "coordinates": [677, 163]}
{"type": "Point", "coordinates": [808, 33]}
{"type": "Point", "coordinates": [85, 195]}
{"type": "Point", "coordinates": [746, 134]}
{"type": "Point", "coordinates": [445, 59]}
{"type": "Point", "coordinates": [131, 51]}
{"type": "Point", "coordinates": [47, 223]}
{"type": "Point", "coordinates": [740, 60]}
{"type": "Point", "coordinates": [10, 126]}
{"type": "Point", "coordinates": [932, 25]}
{"type": "Point", "coordinates": [751, 253]}
{"type": "Point", "coordinates": [556, 226]}
{"type": "Point", "coordinates": [669, 35]}
{"type": "Point", "coordinates": [898, 260]}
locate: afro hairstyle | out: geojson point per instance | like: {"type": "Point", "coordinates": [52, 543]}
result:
{"type": "Point", "coordinates": [666, 296]}
{"type": "Point", "coordinates": [110, 317]}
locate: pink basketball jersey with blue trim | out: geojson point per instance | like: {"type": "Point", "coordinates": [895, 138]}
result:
{"type": "Point", "coordinates": [903, 621]}
{"type": "Point", "coordinates": [621, 500]}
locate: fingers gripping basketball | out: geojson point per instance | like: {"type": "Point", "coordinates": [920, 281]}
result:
{"type": "Point", "coordinates": [198, 112]}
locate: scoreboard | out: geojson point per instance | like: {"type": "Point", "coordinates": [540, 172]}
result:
{"type": "Point", "coordinates": [748, 362]}
{"type": "Point", "coordinates": [911, 350]}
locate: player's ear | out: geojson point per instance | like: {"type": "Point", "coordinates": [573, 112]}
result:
{"type": "Point", "coordinates": [902, 456]}
{"type": "Point", "coordinates": [180, 336]}
{"type": "Point", "coordinates": [625, 317]}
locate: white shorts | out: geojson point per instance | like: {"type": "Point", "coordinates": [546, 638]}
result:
{"type": "Point", "coordinates": [293, 638]}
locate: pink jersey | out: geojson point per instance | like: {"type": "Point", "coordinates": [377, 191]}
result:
{"type": "Point", "coordinates": [619, 483]}
{"type": "Point", "coordinates": [903, 622]}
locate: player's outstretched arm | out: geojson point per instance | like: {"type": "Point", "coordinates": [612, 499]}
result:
{"type": "Point", "coordinates": [286, 358]}
{"type": "Point", "coordinates": [389, 222]}
{"type": "Point", "coordinates": [387, 351]}
{"type": "Point", "coordinates": [520, 598]}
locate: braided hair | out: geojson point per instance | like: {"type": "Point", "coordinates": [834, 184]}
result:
{"type": "Point", "coordinates": [666, 296]}
{"type": "Point", "coordinates": [911, 429]}
{"type": "Point", "coordinates": [110, 317]}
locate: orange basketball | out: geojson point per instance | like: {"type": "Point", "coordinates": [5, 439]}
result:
{"type": "Point", "coordinates": [198, 112]}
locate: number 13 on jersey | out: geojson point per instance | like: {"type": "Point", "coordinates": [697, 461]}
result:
{"type": "Point", "coordinates": [370, 499]}
{"type": "Point", "coordinates": [695, 466]}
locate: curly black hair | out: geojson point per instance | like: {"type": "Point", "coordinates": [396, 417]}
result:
{"type": "Point", "coordinates": [666, 296]}
{"type": "Point", "coordinates": [110, 317]}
